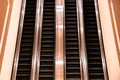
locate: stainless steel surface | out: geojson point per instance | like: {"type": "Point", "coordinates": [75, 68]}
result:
{"type": "Point", "coordinates": [15, 65]}
{"type": "Point", "coordinates": [79, 38]}
{"type": "Point", "coordinates": [101, 41]}
{"type": "Point", "coordinates": [40, 16]}
{"type": "Point", "coordinates": [83, 43]}
{"type": "Point", "coordinates": [59, 56]}
{"type": "Point", "coordinates": [35, 44]}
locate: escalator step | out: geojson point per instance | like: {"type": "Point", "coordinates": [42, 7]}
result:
{"type": "Point", "coordinates": [48, 42]}
{"type": "Point", "coordinates": [72, 49]}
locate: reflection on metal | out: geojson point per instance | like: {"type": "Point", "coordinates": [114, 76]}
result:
{"type": "Point", "coordinates": [40, 16]}
{"type": "Point", "coordinates": [59, 56]}
{"type": "Point", "coordinates": [83, 55]}
{"type": "Point", "coordinates": [15, 65]}
{"type": "Point", "coordinates": [35, 44]}
{"type": "Point", "coordinates": [79, 37]}
{"type": "Point", "coordinates": [101, 41]}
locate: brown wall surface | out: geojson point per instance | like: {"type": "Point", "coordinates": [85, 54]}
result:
{"type": "Point", "coordinates": [4, 3]}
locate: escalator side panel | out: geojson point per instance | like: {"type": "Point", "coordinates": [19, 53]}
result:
{"type": "Point", "coordinates": [95, 69]}
{"type": "Point", "coordinates": [27, 40]}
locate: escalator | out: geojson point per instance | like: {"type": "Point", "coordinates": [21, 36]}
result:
{"type": "Point", "coordinates": [95, 68]}
{"type": "Point", "coordinates": [46, 60]}
{"type": "Point", "coordinates": [47, 54]}
{"type": "Point", "coordinates": [27, 40]}
{"type": "Point", "coordinates": [72, 46]}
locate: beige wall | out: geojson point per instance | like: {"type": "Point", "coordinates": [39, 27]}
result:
{"type": "Point", "coordinates": [109, 39]}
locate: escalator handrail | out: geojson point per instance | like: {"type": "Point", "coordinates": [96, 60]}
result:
{"type": "Point", "coordinates": [101, 40]}
{"type": "Point", "coordinates": [35, 44]}
{"type": "Point", "coordinates": [79, 38]}
{"type": "Point", "coordinates": [41, 5]}
{"type": "Point", "coordinates": [18, 42]}
{"type": "Point", "coordinates": [83, 42]}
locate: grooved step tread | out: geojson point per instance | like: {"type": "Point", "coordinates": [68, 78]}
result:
{"type": "Point", "coordinates": [72, 50]}
{"type": "Point", "coordinates": [46, 70]}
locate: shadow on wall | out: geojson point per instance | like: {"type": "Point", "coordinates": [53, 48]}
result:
{"type": "Point", "coordinates": [116, 4]}
{"type": "Point", "coordinates": [115, 14]}
{"type": "Point", "coordinates": [5, 14]}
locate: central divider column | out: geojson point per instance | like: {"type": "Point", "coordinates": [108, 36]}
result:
{"type": "Point", "coordinates": [59, 56]}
